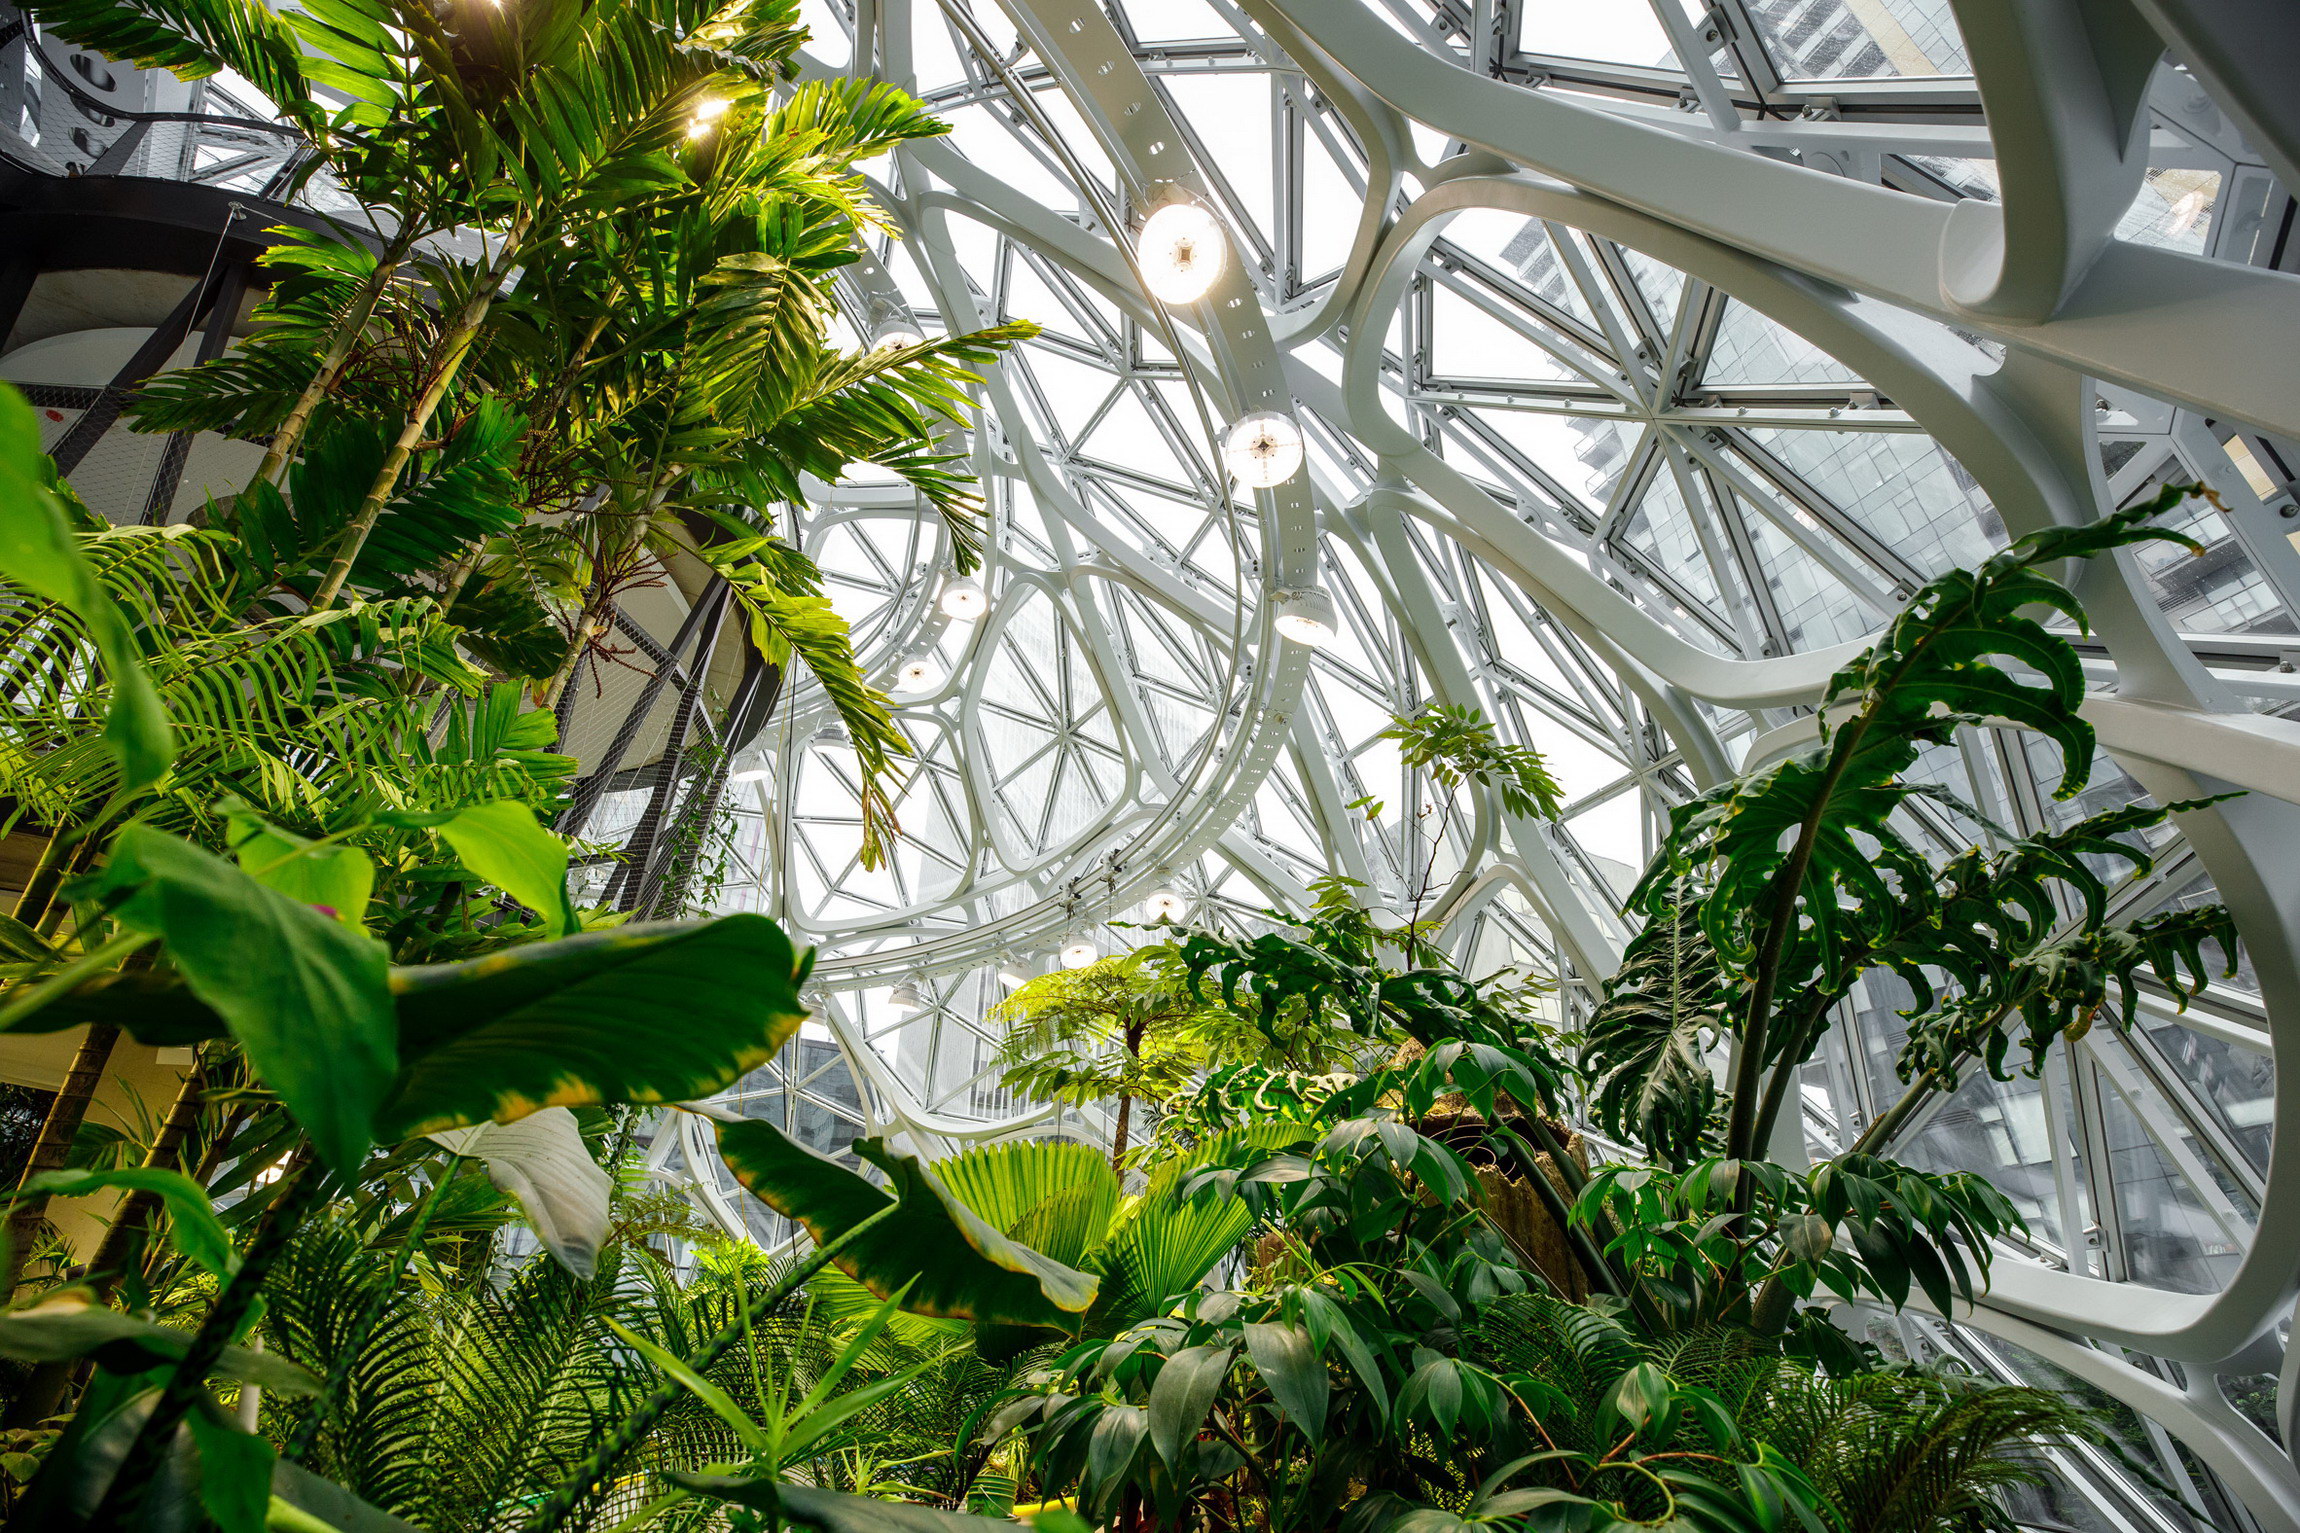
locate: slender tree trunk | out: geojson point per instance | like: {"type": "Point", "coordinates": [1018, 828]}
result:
{"type": "Point", "coordinates": [592, 624]}
{"type": "Point", "coordinates": [1118, 1133]}
{"type": "Point", "coordinates": [454, 346]}
{"type": "Point", "coordinates": [45, 1389]}
{"type": "Point", "coordinates": [47, 877]}
{"type": "Point", "coordinates": [54, 1146]}
{"type": "Point", "coordinates": [338, 355]}
{"type": "Point", "coordinates": [1131, 1037]}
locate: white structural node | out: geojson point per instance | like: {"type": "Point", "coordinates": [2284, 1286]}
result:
{"type": "Point", "coordinates": [1631, 363]}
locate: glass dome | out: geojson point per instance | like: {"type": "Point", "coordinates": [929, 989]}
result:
{"type": "Point", "coordinates": [1615, 432]}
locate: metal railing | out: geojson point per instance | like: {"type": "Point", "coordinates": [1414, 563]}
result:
{"type": "Point", "coordinates": [55, 125]}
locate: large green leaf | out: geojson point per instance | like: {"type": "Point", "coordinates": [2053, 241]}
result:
{"type": "Point", "coordinates": [39, 552]}
{"type": "Point", "coordinates": [336, 879]}
{"type": "Point", "coordinates": [958, 1266]}
{"type": "Point", "coordinates": [62, 1329]}
{"type": "Point", "coordinates": [659, 1013]}
{"type": "Point", "coordinates": [1056, 1196]}
{"type": "Point", "coordinates": [1164, 1246]}
{"type": "Point", "coordinates": [1646, 1046]}
{"type": "Point", "coordinates": [506, 845]}
{"type": "Point", "coordinates": [307, 997]}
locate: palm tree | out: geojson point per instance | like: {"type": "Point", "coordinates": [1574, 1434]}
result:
{"type": "Point", "coordinates": [640, 345]}
{"type": "Point", "coordinates": [1119, 1028]}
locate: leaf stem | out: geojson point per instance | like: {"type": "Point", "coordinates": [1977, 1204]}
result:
{"type": "Point", "coordinates": [139, 1467]}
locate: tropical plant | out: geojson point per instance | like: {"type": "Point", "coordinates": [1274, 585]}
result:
{"type": "Point", "coordinates": [1123, 1029]}
{"type": "Point", "coordinates": [508, 442]}
{"type": "Point", "coordinates": [1776, 890]}
{"type": "Point", "coordinates": [1882, 1450]}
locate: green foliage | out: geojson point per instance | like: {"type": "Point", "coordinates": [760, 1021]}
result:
{"type": "Point", "coordinates": [1456, 745]}
{"type": "Point", "coordinates": [1700, 1243]}
{"type": "Point", "coordinates": [1884, 1451]}
{"type": "Point", "coordinates": [195, 39]}
{"type": "Point", "coordinates": [39, 551]}
{"type": "Point", "coordinates": [1799, 875]}
{"type": "Point", "coordinates": [935, 1251]}
{"type": "Point", "coordinates": [306, 997]}
{"type": "Point", "coordinates": [1063, 1200]}
{"type": "Point", "coordinates": [1646, 1047]}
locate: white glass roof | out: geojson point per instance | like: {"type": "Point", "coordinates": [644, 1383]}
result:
{"type": "Point", "coordinates": [1636, 394]}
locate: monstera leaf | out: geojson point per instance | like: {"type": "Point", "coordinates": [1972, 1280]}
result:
{"type": "Point", "coordinates": [957, 1265]}
{"type": "Point", "coordinates": [1647, 1045]}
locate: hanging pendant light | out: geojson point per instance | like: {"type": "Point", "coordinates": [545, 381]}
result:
{"type": "Point", "coordinates": [1182, 250]}
{"type": "Point", "coordinates": [1165, 905]}
{"type": "Point", "coordinates": [1078, 954]}
{"type": "Point", "coordinates": [892, 325]}
{"type": "Point", "coordinates": [757, 771]}
{"type": "Point", "coordinates": [1263, 449]}
{"type": "Point", "coordinates": [963, 598]}
{"type": "Point", "coordinates": [1014, 973]}
{"type": "Point", "coordinates": [918, 674]}
{"type": "Point", "coordinates": [905, 998]}
{"type": "Point", "coordinates": [1305, 615]}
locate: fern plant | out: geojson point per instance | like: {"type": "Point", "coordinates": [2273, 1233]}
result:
{"type": "Point", "coordinates": [1883, 1450]}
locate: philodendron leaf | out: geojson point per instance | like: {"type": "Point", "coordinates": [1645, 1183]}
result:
{"type": "Point", "coordinates": [1294, 1373]}
{"type": "Point", "coordinates": [1182, 1397]}
{"type": "Point", "coordinates": [543, 1162]}
{"type": "Point", "coordinates": [506, 845]}
{"type": "Point", "coordinates": [307, 997]}
{"type": "Point", "coordinates": [957, 1266]}
{"type": "Point", "coordinates": [661, 1013]}
{"type": "Point", "coordinates": [39, 552]}
{"type": "Point", "coordinates": [194, 1227]}
{"type": "Point", "coordinates": [335, 879]}
{"type": "Point", "coordinates": [63, 1329]}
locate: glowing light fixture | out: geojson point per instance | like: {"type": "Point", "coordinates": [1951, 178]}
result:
{"type": "Point", "coordinates": [1263, 449]}
{"type": "Point", "coordinates": [964, 598]}
{"type": "Point", "coordinates": [892, 327]}
{"type": "Point", "coordinates": [918, 674]}
{"type": "Point", "coordinates": [1165, 905]}
{"type": "Point", "coordinates": [1013, 974]}
{"type": "Point", "coordinates": [1077, 955]}
{"type": "Point", "coordinates": [1182, 250]}
{"type": "Point", "coordinates": [1305, 615]}
{"type": "Point", "coordinates": [757, 771]}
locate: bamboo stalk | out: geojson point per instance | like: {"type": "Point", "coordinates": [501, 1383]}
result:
{"type": "Point", "coordinates": [454, 346]}
{"type": "Point", "coordinates": [337, 356]}
{"type": "Point", "coordinates": [54, 1146]}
